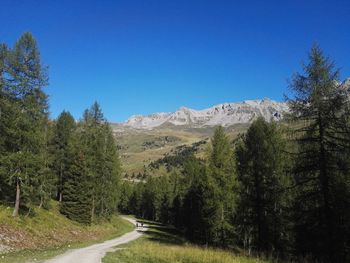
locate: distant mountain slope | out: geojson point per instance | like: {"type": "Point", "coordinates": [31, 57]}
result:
{"type": "Point", "coordinates": [142, 140]}
{"type": "Point", "coordinates": [225, 114]}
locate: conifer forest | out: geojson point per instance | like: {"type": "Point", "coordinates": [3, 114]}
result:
{"type": "Point", "coordinates": [279, 188]}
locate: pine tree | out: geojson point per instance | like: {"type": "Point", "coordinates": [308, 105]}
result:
{"type": "Point", "coordinates": [125, 194]}
{"type": "Point", "coordinates": [77, 191]}
{"type": "Point", "coordinates": [5, 117]}
{"type": "Point", "coordinates": [109, 176]}
{"type": "Point", "coordinates": [103, 161]}
{"type": "Point", "coordinates": [202, 210]}
{"type": "Point", "coordinates": [221, 168]}
{"type": "Point", "coordinates": [177, 213]}
{"type": "Point", "coordinates": [62, 134]}
{"type": "Point", "coordinates": [321, 172]}
{"type": "Point", "coordinates": [24, 161]}
{"type": "Point", "coordinates": [262, 205]}
{"type": "Point", "coordinates": [46, 176]}
{"type": "Point", "coordinates": [135, 202]}
{"type": "Point", "coordinates": [166, 198]}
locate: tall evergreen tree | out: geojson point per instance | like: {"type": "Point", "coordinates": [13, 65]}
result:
{"type": "Point", "coordinates": [62, 134]}
{"type": "Point", "coordinates": [221, 167]}
{"type": "Point", "coordinates": [135, 201]}
{"type": "Point", "coordinates": [103, 161]}
{"type": "Point", "coordinates": [201, 208]}
{"type": "Point", "coordinates": [77, 191]}
{"type": "Point", "coordinates": [126, 190]}
{"type": "Point", "coordinates": [93, 143]}
{"type": "Point", "coordinates": [209, 203]}
{"type": "Point", "coordinates": [321, 173]}
{"type": "Point", "coordinates": [24, 162]}
{"type": "Point", "coordinates": [4, 121]}
{"type": "Point", "coordinates": [262, 205]}
{"type": "Point", "coordinates": [109, 175]}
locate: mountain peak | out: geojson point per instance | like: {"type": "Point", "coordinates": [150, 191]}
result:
{"type": "Point", "coordinates": [225, 114]}
{"type": "Point", "coordinates": [183, 108]}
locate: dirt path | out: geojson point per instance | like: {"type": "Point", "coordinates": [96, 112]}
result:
{"type": "Point", "coordinates": [95, 253]}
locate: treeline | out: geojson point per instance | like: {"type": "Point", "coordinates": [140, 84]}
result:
{"type": "Point", "coordinates": [74, 162]}
{"type": "Point", "coordinates": [281, 189]}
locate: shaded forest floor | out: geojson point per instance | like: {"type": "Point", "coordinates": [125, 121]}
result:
{"type": "Point", "coordinates": [48, 233]}
{"type": "Point", "coordinates": [162, 244]}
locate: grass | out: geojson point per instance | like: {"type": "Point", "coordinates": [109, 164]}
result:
{"type": "Point", "coordinates": [48, 234]}
{"type": "Point", "coordinates": [163, 244]}
{"type": "Point", "coordinates": [135, 156]}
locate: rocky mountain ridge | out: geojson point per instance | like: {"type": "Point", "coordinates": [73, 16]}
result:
{"type": "Point", "coordinates": [225, 114]}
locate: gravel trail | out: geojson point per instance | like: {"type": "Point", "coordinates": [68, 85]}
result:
{"type": "Point", "coordinates": [95, 253]}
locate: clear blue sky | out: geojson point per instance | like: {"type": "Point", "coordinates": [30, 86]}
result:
{"type": "Point", "coordinates": [139, 57]}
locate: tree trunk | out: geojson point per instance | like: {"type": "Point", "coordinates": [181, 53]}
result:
{"type": "Point", "coordinates": [223, 241]}
{"type": "Point", "coordinates": [93, 210]}
{"type": "Point", "coordinates": [258, 210]}
{"type": "Point", "coordinates": [18, 192]}
{"type": "Point", "coordinates": [41, 203]}
{"type": "Point", "coordinates": [324, 180]}
{"type": "Point", "coordinates": [60, 188]}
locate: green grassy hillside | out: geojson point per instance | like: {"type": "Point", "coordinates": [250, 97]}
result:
{"type": "Point", "coordinates": [140, 147]}
{"type": "Point", "coordinates": [48, 234]}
